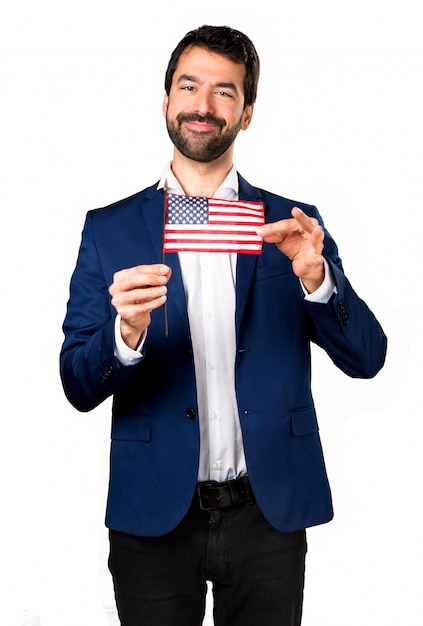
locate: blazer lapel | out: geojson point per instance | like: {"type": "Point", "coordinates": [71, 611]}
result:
{"type": "Point", "coordinates": [246, 263]}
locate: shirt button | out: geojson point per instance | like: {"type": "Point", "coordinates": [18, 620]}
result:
{"type": "Point", "coordinates": [190, 413]}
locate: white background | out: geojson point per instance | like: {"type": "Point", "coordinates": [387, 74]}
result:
{"type": "Point", "coordinates": [338, 123]}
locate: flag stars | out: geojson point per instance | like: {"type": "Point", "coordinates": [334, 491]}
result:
{"type": "Point", "coordinates": [187, 210]}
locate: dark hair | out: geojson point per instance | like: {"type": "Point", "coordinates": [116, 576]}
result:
{"type": "Point", "coordinates": [225, 41]}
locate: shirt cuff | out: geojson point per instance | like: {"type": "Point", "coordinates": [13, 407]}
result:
{"type": "Point", "coordinates": [323, 294]}
{"type": "Point", "coordinates": [124, 354]}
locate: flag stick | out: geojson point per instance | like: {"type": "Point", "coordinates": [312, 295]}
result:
{"type": "Point", "coordinates": [166, 324]}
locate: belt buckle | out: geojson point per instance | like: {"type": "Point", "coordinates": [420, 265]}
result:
{"type": "Point", "coordinates": [202, 495]}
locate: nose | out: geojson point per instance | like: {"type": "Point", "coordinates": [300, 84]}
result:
{"type": "Point", "coordinates": [203, 102]}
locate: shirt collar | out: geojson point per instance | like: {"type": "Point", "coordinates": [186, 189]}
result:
{"type": "Point", "coordinates": [228, 189]}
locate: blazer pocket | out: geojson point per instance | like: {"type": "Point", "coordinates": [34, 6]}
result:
{"type": "Point", "coordinates": [304, 422]}
{"type": "Point", "coordinates": [274, 270]}
{"type": "Point", "coordinates": [131, 428]}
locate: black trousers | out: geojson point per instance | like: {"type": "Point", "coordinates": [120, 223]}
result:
{"type": "Point", "coordinates": [257, 572]}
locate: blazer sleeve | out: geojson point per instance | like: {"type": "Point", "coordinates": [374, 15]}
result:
{"type": "Point", "coordinates": [89, 370]}
{"type": "Point", "coordinates": [345, 327]}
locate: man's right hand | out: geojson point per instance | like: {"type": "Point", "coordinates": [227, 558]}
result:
{"type": "Point", "coordinates": [136, 292]}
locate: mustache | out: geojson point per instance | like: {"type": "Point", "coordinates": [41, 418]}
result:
{"type": "Point", "coordinates": [204, 119]}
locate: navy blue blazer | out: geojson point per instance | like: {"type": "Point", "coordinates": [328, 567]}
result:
{"type": "Point", "coordinates": [155, 431]}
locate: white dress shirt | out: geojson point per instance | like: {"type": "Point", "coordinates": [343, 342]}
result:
{"type": "Point", "coordinates": [209, 283]}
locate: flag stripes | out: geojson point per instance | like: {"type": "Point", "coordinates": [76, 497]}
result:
{"type": "Point", "coordinates": [212, 224]}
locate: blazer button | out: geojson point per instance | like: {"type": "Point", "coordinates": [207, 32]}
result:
{"type": "Point", "coordinates": [191, 413]}
{"type": "Point", "coordinates": [342, 312]}
{"type": "Point", "coordinates": [107, 374]}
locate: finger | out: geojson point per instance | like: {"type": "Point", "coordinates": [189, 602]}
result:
{"type": "Point", "coordinates": [277, 229]}
{"type": "Point", "coordinates": [141, 298]}
{"type": "Point", "coordinates": [138, 315]}
{"type": "Point", "coordinates": [140, 276]}
{"type": "Point", "coordinates": [146, 295]}
{"type": "Point", "coordinates": [144, 271]}
{"type": "Point", "coordinates": [306, 222]}
{"type": "Point", "coordinates": [137, 310]}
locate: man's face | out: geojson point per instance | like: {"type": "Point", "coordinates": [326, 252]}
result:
{"type": "Point", "coordinates": [205, 107]}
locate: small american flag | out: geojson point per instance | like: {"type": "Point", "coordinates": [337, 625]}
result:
{"type": "Point", "coordinates": [199, 224]}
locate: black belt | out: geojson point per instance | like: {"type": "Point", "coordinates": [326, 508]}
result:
{"type": "Point", "coordinates": [214, 495]}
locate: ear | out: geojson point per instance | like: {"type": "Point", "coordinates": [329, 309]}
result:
{"type": "Point", "coordinates": [165, 104]}
{"type": "Point", "coordinates": [247, 116]}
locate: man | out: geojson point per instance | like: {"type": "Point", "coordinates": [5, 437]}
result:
{"type": "Point", "coordinates": [216, 464]}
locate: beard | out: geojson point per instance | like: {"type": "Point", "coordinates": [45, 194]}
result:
{"type": "Point", "coordinates": [202, 146]}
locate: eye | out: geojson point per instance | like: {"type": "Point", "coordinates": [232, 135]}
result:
{"type": "Point", "coordinates": [225, 94]}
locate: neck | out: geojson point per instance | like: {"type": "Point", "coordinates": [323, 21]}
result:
{"type": "Point", "coordinates": [201, 179]}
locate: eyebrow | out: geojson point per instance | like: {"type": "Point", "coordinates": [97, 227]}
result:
{"type": "Point", "coordinates": [195, 79]}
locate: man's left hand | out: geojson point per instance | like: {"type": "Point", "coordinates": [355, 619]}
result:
{"type": "Point", "coordinates": [301, 240]}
